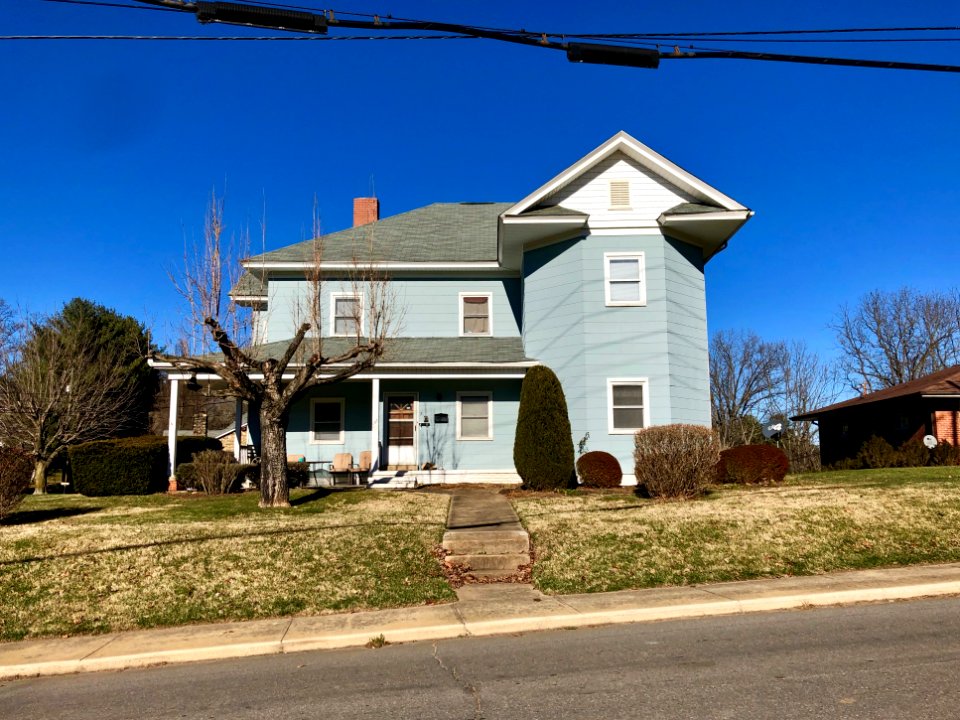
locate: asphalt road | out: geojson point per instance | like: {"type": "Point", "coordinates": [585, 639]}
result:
{"type": "Point", "coordinates": [893, 661]}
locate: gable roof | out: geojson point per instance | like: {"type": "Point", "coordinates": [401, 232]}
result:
{"type": "Point", "coordinates": [651, 160]}
{"type": "Point", "coordinates": [944, 382]}
{"type": "Point", "coordinates": [438, 233]}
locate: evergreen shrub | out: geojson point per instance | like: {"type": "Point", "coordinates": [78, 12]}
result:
{"type": "Point", "coordinates": [599, 469]}
{"type": "Point", "coordinates": [877, 453]}
{"type": "Point", "coordinates": [752, 464]}
{"type": "Point", "coordinates": [913, 453]}
{"type": "Point", "coordinates": [543, 445]}
{"type": "Point", "coordinates": [675, 461]}
{"type": "Point", "coordinates": [129, 466]}
{"type": "Point", "coordinates": [16, 469]}
{"type": "Point", "coordinates": [945, 454]}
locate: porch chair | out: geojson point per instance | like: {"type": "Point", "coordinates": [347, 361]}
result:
{"type": "Point", "coordinates": [341, 466]}
{"type": "Point", "coordinates": [362, 469]}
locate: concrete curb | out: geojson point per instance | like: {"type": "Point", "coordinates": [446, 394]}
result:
{"type": "Point", "coordinates": [485, 612]}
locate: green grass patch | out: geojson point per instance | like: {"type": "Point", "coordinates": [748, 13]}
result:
{"type": "Point", "coordinates": [70, 564]}
{"type": "Point", "coordinates": [810, 524]}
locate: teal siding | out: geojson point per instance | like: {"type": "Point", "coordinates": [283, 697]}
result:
{"type": "Point", "coordinates": [568, 327]}
{"type": "Point", "coordinates": [436, 443]}
{"type": "Point", "coordinates": [429, 306]}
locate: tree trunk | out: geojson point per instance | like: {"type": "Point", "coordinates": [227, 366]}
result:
{"type": "Point", "coordinates": [274, 490]}
{"type": "Point", "coordinates": [40, 477]}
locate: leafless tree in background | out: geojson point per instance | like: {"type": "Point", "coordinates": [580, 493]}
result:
{"type": "Point", "coordinates": [57, 389]}
{"type": "Point", "coordinates": [745, 375]}
{"type": "Point", "coordinates": [891, 337]}
{"type": "Point", "coordinates": [806, 383]}
{"type": "Point", "coordinates": [273, 377]}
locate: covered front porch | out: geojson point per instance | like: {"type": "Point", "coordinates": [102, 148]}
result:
{"type": "Point", "coordinates": [420, 424]}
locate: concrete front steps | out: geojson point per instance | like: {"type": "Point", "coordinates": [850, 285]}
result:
{"type": "Point", "coordinates": [484, 534]}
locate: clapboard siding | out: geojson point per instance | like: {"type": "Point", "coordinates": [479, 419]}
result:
{"type": "Point", "coordinates": [429, 306]}
{"type": "Point", "coordinates": [650, 195]}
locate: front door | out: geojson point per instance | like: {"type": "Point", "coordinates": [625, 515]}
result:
{"type": "Point", "coordinates": [402, 431]}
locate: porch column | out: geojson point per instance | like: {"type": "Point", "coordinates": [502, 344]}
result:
{"type": "Point", "coordinates": [172, 434]}
{"type": "Point", "coordinates": [375, 422]}
{"type": "Point", "coordinates": [237, 430]}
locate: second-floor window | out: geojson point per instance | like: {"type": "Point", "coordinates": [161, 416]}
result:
{"type": "Point", "coordinates": [347, 311]}
{"type": "Point", "coordinates": [624, 279]}
{"type": "Point", "coordinates": [475, 314]}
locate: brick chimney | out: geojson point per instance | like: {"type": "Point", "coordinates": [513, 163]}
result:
{"type": "Point", "coordinates": [365, 210]}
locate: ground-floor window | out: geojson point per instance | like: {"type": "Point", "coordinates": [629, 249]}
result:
{"type": "Point", "coordinates": [326, 421]}
{"type": "Point", "coordinates": [628, 404]}
{"type": "Point", "coordinates": [474, 416]}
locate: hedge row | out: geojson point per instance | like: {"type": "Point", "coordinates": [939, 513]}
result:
{"type": "Point", "coordinates": [129, 466]}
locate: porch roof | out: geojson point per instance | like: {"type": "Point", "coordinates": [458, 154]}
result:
{"type": "Point", "coordinates": [423, 351]}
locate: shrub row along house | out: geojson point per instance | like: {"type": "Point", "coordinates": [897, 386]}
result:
{"type": "Point", "coordinates": [598, 274]}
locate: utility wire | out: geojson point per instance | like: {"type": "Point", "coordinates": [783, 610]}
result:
{"type": "Point", "coordinates": [233, 38]}
{"type": "Point", "coordinates": [262, 15]}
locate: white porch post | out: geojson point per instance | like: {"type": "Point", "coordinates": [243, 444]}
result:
{"type": "Point", "coordinates": [375, 422]}
{"type": "Point", "coordinates": [237, 430]}
{"type": "Point", "coordinates": [172, 434]}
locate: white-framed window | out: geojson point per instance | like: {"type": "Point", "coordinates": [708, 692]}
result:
{"type": "Point", "coordinates": [624, 279]}
{"type": "Point", "coordinates": [628, 405]}
{"type": "Point", "coordinates": [474, 415]}
{"type": "Point", "coordinates": [476, 313]}
{"type": "Point", "coordinates": [620, 195]}
{"type": "Point", "coordinates": [326, 421]}
{"type": "Point", "coordinates": [346, 314]}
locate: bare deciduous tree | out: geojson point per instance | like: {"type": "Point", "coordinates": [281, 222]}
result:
{"type": "Point", "coordinates": [271, 377]}
{"type": "Point", "coordinates": [58, 388]}
{"type": "Point", "coordinates": [896, 336]}
{"type": "Point", "coordinates": [744, 378]}
{"type": "Point", "coordinates": [806, 383]}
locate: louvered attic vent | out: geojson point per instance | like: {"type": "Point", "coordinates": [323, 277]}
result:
{"type": "Point", "coordinates": [620, 194]}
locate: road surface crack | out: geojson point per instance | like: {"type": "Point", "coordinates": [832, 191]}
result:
{"type": "Point", "coordinates": [468, 686]}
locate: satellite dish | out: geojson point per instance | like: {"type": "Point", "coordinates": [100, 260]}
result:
{"type": "Point", "coordinates": [930, 441]}
{"type": "Point", "coordinates": [772, 429]}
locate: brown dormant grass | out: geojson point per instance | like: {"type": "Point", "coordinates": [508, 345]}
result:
{"type": "Point", "coordinates": [811, 524]}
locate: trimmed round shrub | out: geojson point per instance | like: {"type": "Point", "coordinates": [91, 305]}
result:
{"type": "Point", "coordinates": [129, 466]}
{"type": "Point", "coordinates": [16, 469]}
{"type": "Point", "coordinates": [543, 445]}
{"type": "Point", "coordinates": [599, 469]}
{"type": "Point", "coordinates": [752, 464]}
{"type": "Point", "coordinates": [675, 461]}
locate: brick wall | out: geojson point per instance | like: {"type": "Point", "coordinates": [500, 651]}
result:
{"type": "Point", "coordinates": [946, 427]}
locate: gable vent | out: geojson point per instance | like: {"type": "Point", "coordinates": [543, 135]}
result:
{"type": "Point", "coordinates": [620, 194]}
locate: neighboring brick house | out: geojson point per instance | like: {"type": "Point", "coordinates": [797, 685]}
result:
{"type": "Point", "coordinates": [598, 274]}
{"type": "Point", "coordinates": [909, 411]}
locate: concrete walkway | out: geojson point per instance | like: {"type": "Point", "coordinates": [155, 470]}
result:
{"type": "Point", "coordinates": [481, 610]}
{"type": "Point", "coordinates": [485, 534]}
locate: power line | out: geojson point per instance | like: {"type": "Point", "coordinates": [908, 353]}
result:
{"type": "Point", "coordinates": [302, 19]}
{"type": "Point", "coordinates": [210, 38]}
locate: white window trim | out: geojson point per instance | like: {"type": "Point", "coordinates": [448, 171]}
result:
{"type": "Point", "coordinates": [313, 414]}
{"type": "Point", "coordinates": [640, 257]}
{"type": "Point", "coordinates": [645, 384]}
{"type": "Point", "coordinates": [334, 296]}
{"type": "Point", "coordinates": [489, 396]}
{"type": "Point", "coordinates": [489, 297]}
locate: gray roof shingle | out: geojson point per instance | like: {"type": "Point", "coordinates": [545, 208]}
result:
{"type": "Point", "coordinates": [441, 232]}
{"type": "Point", "coordinates": [419, 351]}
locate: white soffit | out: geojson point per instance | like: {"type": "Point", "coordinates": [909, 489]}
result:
{"type": "Point", "coordinates": [633, 148]}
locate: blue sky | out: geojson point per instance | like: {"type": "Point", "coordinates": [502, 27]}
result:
{"type": "Point", "coordinates": [110, 149]}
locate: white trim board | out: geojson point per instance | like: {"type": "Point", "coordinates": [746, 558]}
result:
{"type": "Point", "coordinates": [648, 158]}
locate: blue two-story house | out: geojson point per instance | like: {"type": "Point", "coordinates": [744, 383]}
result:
{"type": "Point", "coordinates": [598, 274]}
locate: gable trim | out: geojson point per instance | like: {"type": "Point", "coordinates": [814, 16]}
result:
{"type": "Point", "coordinates": [633, 148]}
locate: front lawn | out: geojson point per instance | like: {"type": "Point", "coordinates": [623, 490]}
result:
{"type": "Point", "coordinates": [811, 524]}
{"type": "Point", "coordinates": [70, 564]}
